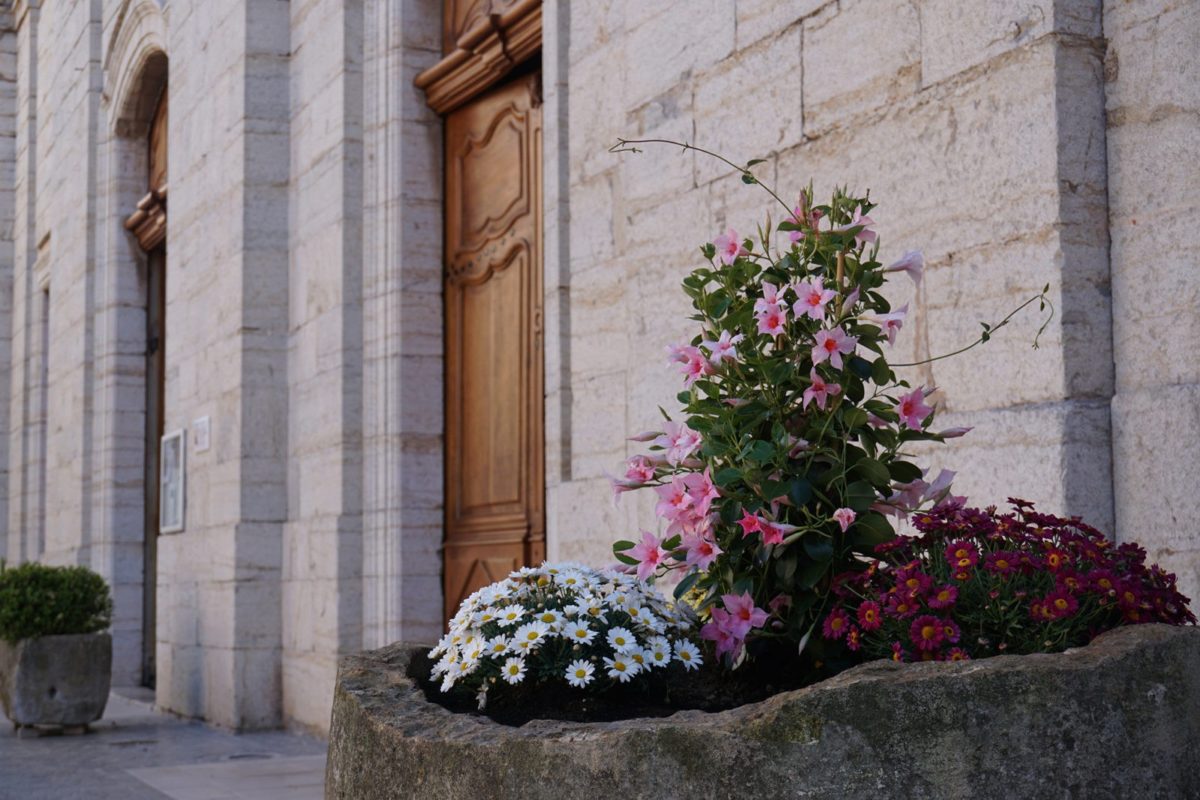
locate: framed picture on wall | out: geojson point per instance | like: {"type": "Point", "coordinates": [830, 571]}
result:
{"type": "Point", "coordinates": [172, 466]}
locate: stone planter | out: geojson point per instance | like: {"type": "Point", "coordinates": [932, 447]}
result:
{"type": "Point", "coordinates": [56, 680]}
{"type": "Point", "coordinates": [1118, 718]}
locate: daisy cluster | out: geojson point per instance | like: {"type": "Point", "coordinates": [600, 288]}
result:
{"type": "Point", "coordinates": [563, 622]}
{"type": "Point", "coordinates": [980, 583]}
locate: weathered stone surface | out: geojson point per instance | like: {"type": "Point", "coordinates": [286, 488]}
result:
{"type": "Point", "coordinates": [1119, 718]}
{"type": "Point", "coordinates": [56, 680]}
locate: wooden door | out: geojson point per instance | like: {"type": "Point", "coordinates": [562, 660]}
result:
{"type": "Point", "coordinates": [494, 428]}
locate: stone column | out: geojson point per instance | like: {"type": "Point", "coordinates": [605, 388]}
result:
{"type": "Point", "coordinates": [402, 327]}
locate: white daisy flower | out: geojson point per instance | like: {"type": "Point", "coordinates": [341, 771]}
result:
{"type": "Point", "coordinates": [621, 640]}
{"type": "Point", "coordinates": [638, 657]}
{"type": "Point", "coordinates": [621, 668]}
{"type": "Point", "coordinates": [550, 617]}
{"type": "Point", "coordinates": [579, 632]}
{"type": "Point", "coordinates": [489, 614]}
{"type": "Point", "coordinates": [453, 673]}
{"type": "Point", "coordinates": [579, 673]}
{"type": "Point", "coordinates": [658, 652]}
{"type": "Point", "coordinates": [513, 670]}
{"type": "Point", "coordinates": [497, 646]}
{"type": "Point", "coordinates": [687, 654]}
{"type": "Point", "coordinates": [530, 635]}
{"type": "Point", "coordinates": [510, 616]}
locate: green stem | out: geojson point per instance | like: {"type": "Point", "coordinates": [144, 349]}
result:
{"type": "Point", "coordinates": [623, 146]}
{"type": "Point", "coordinates": [988, 333]}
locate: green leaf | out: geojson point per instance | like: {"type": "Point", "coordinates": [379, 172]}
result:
{"type": "Point", "coordinates": [686, 584]}
{"type": "Point", "coordinates": [623, 544]}
{"type": "Point", "coordinates": [869, 530]}
{"type": "Point", "coordinates": [800, 491]}
{"type": "Point", "coordinates": [708, 250]}
{"type": "Point", "coordinates": [672, 543]}
{"type": "Point", "coordinates": [785, 567]}
{"type": "Point", "coordinates": [903, 471]}
{"type": "Point", "coordinates": [881, 373]}
{"type": "Point", "coordinates": [624, 559]}
{"type": "Point", "coordinates": [754, 161]}
{"type": "Point", "coordinates": [860, 367]}
{"type": "Point", "coordinates": [860, 495]}
{"type": "Point", "coordinates": [818, 547]}
{"type": "Point", "coordinates": [812, 572]}
{"type": "Point", "coordinates": [726, 476]}
{"type": "Point", "coordinates": [749, 179]}
{"type": "Point", "coordinates": [762, 452]}
{"type": "Point", "coordinates": [871, 470]}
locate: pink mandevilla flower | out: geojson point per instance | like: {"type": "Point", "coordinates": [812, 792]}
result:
{"type": "Point", "coordinates": [812, 299]}
{"type": "Point", "coordinates": [912, 409]}
{"type": "Point", "coordinates": [743, 614]}
{"type": "Point", "coordinates": [673, 498]}
{"type": "Point", "coordinates": [649, 555]}
{"type": "Point", "coordinates": [639, 468]}
{"type": "Point", "coordinates": [723, 347]}
{"type": "Point", "coordinates": [701, 551]}
{"type": "Point", "coordinates": [819, 390]}
{"type": "Point", "coordinates": [859, 220]}
{"type": "Point", "coordinates": [679, 441]}
{"type": "Point", "coordinates": [844, 517]}
{"type": "Point", "coordinates": [912, 263]}
{"type": "Point", "coordinates": [769, 300]}
{"type": "Point", "coordinates": [695, 367]}
{"type": "Point", "coordinates": [720, 633]}
{"type": "Point", "coordinates": [892, 322]}
{"type": "Point", "coordinates": [702, 490]}
{"type": "Point", "coordinates": [728, 247]}
{"type": "Point", "coordinates": [832, 345]}
{"type": "Point", "coordinates": [772, 320]}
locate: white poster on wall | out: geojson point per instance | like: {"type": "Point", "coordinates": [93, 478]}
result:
{"type": "Point", "coordinates": [172, 461]}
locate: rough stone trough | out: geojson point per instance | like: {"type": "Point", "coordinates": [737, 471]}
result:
{"type": "Point", "coordinates": [1118, 718]}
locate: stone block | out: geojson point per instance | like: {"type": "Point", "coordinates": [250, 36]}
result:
{"type": "Point", "coordinates": [859, 59]}
{"type": "Point", "coordinates": [758, 19]}
{"type": "Point", "coordinates": [751, 105]}
{"type": "Point", "coordinates": [665, 49]}
{"type": "Point", "coordinates": [1155, 460]}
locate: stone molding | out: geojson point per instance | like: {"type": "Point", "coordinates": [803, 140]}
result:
{"type": "Point", "coordinates": [139, 34]}
{"type": "Point", "coordinates": [483, 55]}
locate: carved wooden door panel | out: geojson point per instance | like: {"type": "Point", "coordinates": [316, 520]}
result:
{"type": "Point", "coordinates": [494, 475]}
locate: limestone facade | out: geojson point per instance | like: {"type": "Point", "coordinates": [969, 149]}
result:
{"type": "Point", "coordinates": [1015, 143]}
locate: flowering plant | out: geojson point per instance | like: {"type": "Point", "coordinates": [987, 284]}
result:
{"type": "Point", "coordinates": [563, 623]}
{"type": "Point", "coordinates": [791, 451]}
{"type": "Point", "coordinates": [979, 583]}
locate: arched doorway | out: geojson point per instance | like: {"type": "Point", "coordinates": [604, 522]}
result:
{"type": "Point", "coordinates": [148, 224]}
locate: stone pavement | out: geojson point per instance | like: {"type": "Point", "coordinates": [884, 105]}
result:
{"type": "Point", "coordinates": [135, 753]}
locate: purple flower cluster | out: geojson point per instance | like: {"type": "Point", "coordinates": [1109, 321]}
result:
{"type": "Point", "coordinates": [977, 583]}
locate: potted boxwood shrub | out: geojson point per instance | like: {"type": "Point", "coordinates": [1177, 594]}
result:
{"type": "Point", "coordinates": [55, 658]}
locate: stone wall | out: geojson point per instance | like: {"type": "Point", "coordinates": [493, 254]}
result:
{"type": "Point", "coordinates": [1153, 103]}
{"type": "Point", "coordinates": [981, 129]}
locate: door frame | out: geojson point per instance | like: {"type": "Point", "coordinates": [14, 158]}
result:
{"type": "Point", "coordinates": [501, 39]}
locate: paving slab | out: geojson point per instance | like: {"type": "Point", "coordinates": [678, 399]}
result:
{"type": "Point", "coordinates": [137, 753]}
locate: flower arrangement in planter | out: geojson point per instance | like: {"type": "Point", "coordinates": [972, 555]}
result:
{"type": "Point", "coordinates": [980, 583]}
{"type": "Point", "coordinates": [778, 485]}
{"type": "Point", "coordinates": [55, 659]}
{"type": "Point", "coordinates": [791, 452]}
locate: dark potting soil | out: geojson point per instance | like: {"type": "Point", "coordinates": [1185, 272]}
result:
{"type": "Point", "coordinates": [710, 688]}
